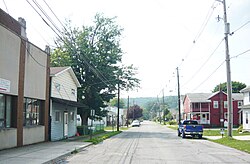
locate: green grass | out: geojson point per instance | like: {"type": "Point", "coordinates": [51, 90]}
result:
{"type": "Point", "coordinates": [237, 144]}
{"type": "Point", "coordinates": [174, 127]}
{"type": "Point", "coordinates": [101, 137]}
{"type": "Point", "coordinates": [208, 132]}
{"type": "Point", "coordinates": [115, 128]}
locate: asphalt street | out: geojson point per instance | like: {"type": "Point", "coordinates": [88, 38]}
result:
{"type": "Point", "coordinates": [153, 143]}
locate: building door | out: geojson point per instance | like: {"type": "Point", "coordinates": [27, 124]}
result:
{"type": "Point", "coordinates": [203, 118]}
{"type": "Point", "coordinates": [66, 124]}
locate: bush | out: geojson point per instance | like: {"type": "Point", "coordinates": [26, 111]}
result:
{"type": "Point", "coordinates": [172, 122]}
{"type": "Point", "coordinates": [240, 129]}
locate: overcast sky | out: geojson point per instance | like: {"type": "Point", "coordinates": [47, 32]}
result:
{"type": "Point", "coordinates": [158, 37]}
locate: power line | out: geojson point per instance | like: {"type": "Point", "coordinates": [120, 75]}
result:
{"type": "Point", "coordinates": [204, 24]}
{"type": "Point", "coordinates": [240, 54]}
{"type": "Point", "coordinates": [6, 6]}
{"type": "Point", "coordinates": [208, 76]}
{"type": "Point", "coordinates": [240, 27]}
{"type": "Point", "coordinates": [94, 70]}
{"type": "Point", "coordinates": [198, 70]}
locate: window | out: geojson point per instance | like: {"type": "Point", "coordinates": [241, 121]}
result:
{"type": "Point", "coordinates": [72, 116]}
{"type": "Point", "coordinates": [225, 115]}
{"type": "Point", "coordinates": [31, 112]}
{"type": "Point", "coordinates": [73, 92]}
{"type": "Point", "coordinates": [216, 104]}
{"type": "Point", "coordinates": [225, 104]}
{"type": "Point", "coordinates": [58, 86]}
{"type": "Point", "coordinates": [5, 111]}
{"type": "Point", "coordinates": [240, 103]}
{"type": "Point", "coordinates": [249, 96]}
{"type": "Point", "coordinates": [246, 117]}
{"type": "Point", "coordinates": [57, 116]}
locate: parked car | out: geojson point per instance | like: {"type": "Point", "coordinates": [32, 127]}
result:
{"type": "Point", "coordinates": [135, 123]}
{"type": "Point", "coordinates": [190, 127]}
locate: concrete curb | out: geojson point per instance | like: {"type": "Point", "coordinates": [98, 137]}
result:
{"type": "Point", "coordinates": [62, 157]}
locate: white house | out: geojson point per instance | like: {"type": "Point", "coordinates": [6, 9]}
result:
{"type": "Point", "coordinates": [245, 109]}
{"type": "Point", "coordinates": [63, 103]}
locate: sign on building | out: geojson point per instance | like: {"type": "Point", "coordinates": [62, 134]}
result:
{"type": "Point", "coordinates": [4, 85]}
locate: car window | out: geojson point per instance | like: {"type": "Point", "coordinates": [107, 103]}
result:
{"type": "Point", "coordinates": [190, 123]}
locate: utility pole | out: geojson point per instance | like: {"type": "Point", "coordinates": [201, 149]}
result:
{"type": "Point", "coordinates": [229, 82]}
{"type": "Point", "coordinates": [179, 98]}
{"type": "Point", "coordinates": [127, 111]}
{"type": "Point", "coordinates": [118, 106]}
{"type": "Point", "coordinates": [163, 106]}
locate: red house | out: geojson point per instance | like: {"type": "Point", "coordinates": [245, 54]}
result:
{"type": "Point", "coordinates": [210, 109]}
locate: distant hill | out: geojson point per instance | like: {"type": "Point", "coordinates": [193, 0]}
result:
{"type": "Point", "coordinates": [172, 101]}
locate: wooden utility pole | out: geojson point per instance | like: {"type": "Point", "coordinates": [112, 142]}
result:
{"type": "Point", "coordinates": [179, 97]}
{"type": "Point", "coordinates": [118, 106]}
{"type": "Point", "coordinates": [229, 82]}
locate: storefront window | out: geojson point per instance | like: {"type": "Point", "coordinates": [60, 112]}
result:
{"type": "Point", "coordinates": [5, 111]}
{"type": "Point", "coordinates": [31, 112]}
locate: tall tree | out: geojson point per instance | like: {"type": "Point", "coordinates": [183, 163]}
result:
{"type": "Point", "coordinates": [94, 54]}
{"type": "Point", "coordinates": [236, 87]}
{"type": "Point", "coordinates": [114, 102]}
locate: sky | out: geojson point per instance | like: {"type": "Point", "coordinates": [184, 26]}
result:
{"type": "Point", "coordinates": [159, 36]}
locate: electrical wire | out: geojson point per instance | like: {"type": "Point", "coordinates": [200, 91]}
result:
{"type": "Point", "coordinates": [32, 55]}
{"type": "Point", "coordinates": [209, 76]}
{"type": "Point", "coordinates": [240, 54]}
{"type": "Point", "coordinates": [6, 6]}
{"type": "Point", "coordinates": [202, 65]}
{"type": "Point", "coordinates": [94, 70]}
{"type": "Point", "coordinates": [240, 27]}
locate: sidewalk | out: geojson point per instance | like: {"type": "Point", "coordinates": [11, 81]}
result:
{"type": "Point", "coordinates": [47, 152]}
{"type": "Point", "coordinates": [246, 137]}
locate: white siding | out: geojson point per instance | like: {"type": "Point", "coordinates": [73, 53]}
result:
{"type": "Point", "coordinates": [9, 58]}
{"type": "Point", "coordinates": [246, 98]}
{"type": "Point", "coordinates": [64, 83]}
{"type": "Point", "coordinates": [35, 73]}
{"type": "Point", "coordinates": [57, 127]}
{"type": "Point", "coordinates": [246, 113]}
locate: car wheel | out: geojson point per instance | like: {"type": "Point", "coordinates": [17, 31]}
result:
{"type": "Point", "coordinates": [200, 136]}
{"type": "Point", "coordinates": [183, 134]}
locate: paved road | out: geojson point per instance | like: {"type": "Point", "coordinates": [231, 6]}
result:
{"type": "Point", "coordinates": [153, 143]}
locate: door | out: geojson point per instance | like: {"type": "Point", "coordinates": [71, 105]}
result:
{"type": "Point", "coordinates": [66, 124]}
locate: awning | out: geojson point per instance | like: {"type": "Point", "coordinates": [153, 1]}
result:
{"type": "Point", "coordinates": [69, 103]}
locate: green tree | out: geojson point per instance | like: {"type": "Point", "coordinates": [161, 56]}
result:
{"type": "Point", "coordinates": [94, 54]}
{"type": "Point", "coordinates": [236, 87]}
{"type": "Point", "coordinates": [114, 102]}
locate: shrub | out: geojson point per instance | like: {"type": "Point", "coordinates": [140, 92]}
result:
{"type": "Point", "coordinates": [172, 122]}
{"type": "Point", "coordinates": [240, 128]}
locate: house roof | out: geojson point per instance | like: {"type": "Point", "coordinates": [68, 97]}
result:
{"type": "Point", "coordinates": [205, 97]}
{"type": "Point", "coordinates": [56, 71]}
{"type": "Point", "coordinates": [198, 97]}
{"type": "Point", "coordinates": [245, 106]}
{"type": "Point", "coordinates": [69, 103]}
{"type": "Point", "coordinates": [247, 89]}
{"type": "Point", "coordinates": [237, 96]}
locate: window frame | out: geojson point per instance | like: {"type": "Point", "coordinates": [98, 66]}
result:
{"type": "Point", "coordinates": [225, 104]}
{"type": "Point", "coordinates": [31, 112]}
{"type": "Point", "coordinates": [215, 104]}
{"type": "Point", "coordinates": [5, 121]}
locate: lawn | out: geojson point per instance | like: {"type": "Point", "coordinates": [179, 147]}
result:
{"type": "Point", "coordinates": [216, 132]}
{"type": "Point", "coordinates": [101, 137]}
{"type": "Point", "coordinates": [237, 144]}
